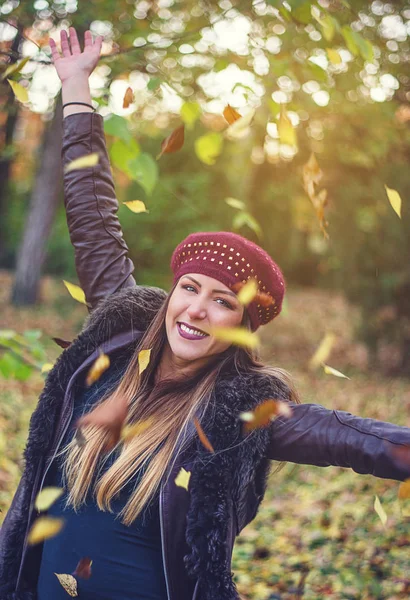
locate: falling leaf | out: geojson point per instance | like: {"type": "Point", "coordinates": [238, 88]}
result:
{"type": "Point", "coordinates": [190, 113]}
{"type": "Point", "coordinates": [100, 365]}
{"type": "Point", "coordinates": [15, 68]}
{"type": "Point", "coordinates": [312, 176]}
{"type": "Point", "coordinates": [68, 582]}
{"type": "Point", "coordinates": [401, 455]}
{"type": "Point", "coordinates": [89, 160]}
{"type": "Point", "coordinates": [47, 367]}
{"type": "Point", "coordinates": [245, 218]}
{"type": "Point", "coordinates": [287, 133]}
{"type": "Point", "coordinates": [330, 371]}
{"type": "Point", "coordinates": [264, 413]}
{"type": "Point", "coordinates": [334, 56]}
{"type": "Point", "coordinates": [234, 203]}
{"type": "Point", "coordinates": [182, 479]}
{"type": "Point", "coordinates": [173, 142]}
{"type": "Point", "coordinates": [130, 431]}
{"type": "Point", "coordinates": [380, 510]}
{"type": "Point", "coordinates": [75, 292]}
{"type": "Point", "coordinates": [47, 497]}
{"type": "Point", "coordinates": [61, 343]}
{"type": "Point", "coordinates": [240, 127]}
{"type": "Point", "coordinates": [143, 360]}
{"type": "Point", "coordinates": [19, 91]}
{"type": "Point", "coordinates": [83, 569]}
{"type": "Point", "coordinates": [43, 529]}
{"type": "Point", "coordinates": [136, 206]}
{"type": "Point", "coordinates": [248, 292]}
{"type": "Point", "coordinates": [208, 147]}
{"type": "Point", "coordinates": [204, 440]}
{"type": "Point", "coordinates": [128, 98]}
{"type": "Point", "coordinates": [240, 336]}
{"type": "Point", "coordinates": [110, 416]}
{"type": "Point", "coordinates": [394, 199]}
{"type": "Point", "coordinates": [80, 438]}
{"type": "Point", "coordinates": [322, 353]}
{"type": "Point", "coordinates": [404, 490]}
{"type": "Point", "coordinates": [231, 115]}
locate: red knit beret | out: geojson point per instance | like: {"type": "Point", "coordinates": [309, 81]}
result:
{"type": "Point", "coordinates": [232, 259]}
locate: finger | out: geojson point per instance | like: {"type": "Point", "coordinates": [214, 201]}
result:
{"type": "Point", "coordinates": [54, 52]}
{"type": "Point", "coordinates": [75, 44]}
{"type": "Point", "coordinates": [64, 44]}
{"type": "Point", "coordinates": [88, 39]}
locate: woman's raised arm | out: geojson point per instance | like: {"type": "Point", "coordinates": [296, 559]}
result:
{"type": "Point", "coordinates": [315, 435]}
{"type": "Point", "coordinates": [101, 254]}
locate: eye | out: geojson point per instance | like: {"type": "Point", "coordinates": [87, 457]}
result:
{"type": "Point", "coordinates": [188, 287]}
{"type": "Point", "coordinates": [225, 303]}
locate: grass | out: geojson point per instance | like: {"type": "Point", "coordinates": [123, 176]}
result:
{"type": "Point", "coordinates": [317, 534]}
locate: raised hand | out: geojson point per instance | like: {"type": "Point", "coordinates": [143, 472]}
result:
{"type": "Point", "coordinates": [75, 64]}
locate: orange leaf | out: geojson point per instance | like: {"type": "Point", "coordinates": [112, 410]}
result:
{"type": "Point", "coordinates": [173, 142]}
{"type": "Point", "coordinates": [83, 569]}
{"type": "Point", "coordinates": [401, 455]}
{"type": "Point", "coordinates": [110, 416]}
{"type": "Point", "coordinates": [205, 442]}
{"type": "Point", "coordinates": [265, 413]}
{"type": "Point", "coordinates": [128, 98]}
{"type": "Point", "coordinates": [404, 490]}
{"type": "Point", "coordinates": [230, 114]}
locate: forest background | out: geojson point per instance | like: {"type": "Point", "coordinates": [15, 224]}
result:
{"type": "Point", "coordinates": [324, 89]}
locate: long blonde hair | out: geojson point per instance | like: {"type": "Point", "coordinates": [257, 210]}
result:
{"type": "Point", "coordinates": [169, 405]}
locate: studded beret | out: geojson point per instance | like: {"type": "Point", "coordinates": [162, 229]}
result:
{"type": "Point", "coordinates": [233, 260]}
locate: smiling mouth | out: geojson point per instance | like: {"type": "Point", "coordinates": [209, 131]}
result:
{"type": "Point", "coordinates": [190, 332]}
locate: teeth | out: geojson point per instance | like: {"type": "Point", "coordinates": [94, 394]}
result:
{"type": "Point", "coordinates": [192, 331]}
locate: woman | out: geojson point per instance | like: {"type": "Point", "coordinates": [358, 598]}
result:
{"type": "Point", "coordinates": [149, 538]}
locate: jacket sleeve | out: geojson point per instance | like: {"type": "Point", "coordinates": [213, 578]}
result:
{"type": "Point", "coordinates": [315, 435]}
{"type": "Point", "coordinates": [101, 254]}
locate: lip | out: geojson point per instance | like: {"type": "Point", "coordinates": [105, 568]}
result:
{"type": "Point", "coordinates": [188, 336]}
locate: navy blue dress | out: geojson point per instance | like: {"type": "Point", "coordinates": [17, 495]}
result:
{"type": "Point", "coordinates": [127, 561]}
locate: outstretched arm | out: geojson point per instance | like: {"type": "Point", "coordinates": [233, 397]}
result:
{"type": "Point", "coordinates": [101, 254]}
{"type": "Point", "coordinates": [315, 435]}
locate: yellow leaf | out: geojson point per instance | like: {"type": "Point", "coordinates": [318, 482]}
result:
{"type": "Point", "coordinates": [240, 128]}
{"type": "Point", "coordinates": [234, 203]}
{"type": "Point", "coordinates": [47, 497]}
{"type": "Point", "coordinates": [130, 431]}
{"type": "Point", "coordinates": [47, 367]}
{"type": "Point", "coordinates": [16, 68]}
{"type": "Point", "coordinates": [182, 479]}
{"type": "Point", "coordinates": [240, 336]}
{"type": "Point", "coordinates": [75, 292]}
{"type": "Point", "coordinates": [143, 359]}
{"type": "Point", "coordinates": [100, 365]}
{"type": "Point", "coordinates": [248, 292]}
{"type": "Point", "coordinates": [380, 510]}
{"type": "Point", "coordinates": [404, 490]}
{"type": "Point", "coordinates": [330, 371]}
{"type": "Point", "coordinates": [395, 200]}
{"type": "Point", "coordinates": [89, 160]}
{"type": "Point", "coordinates": [19, 91]}
{"type": "Point", "coordinates": [333, 56]}
{"type": "Point", "coordinates": [43, 529]}
{"type": "Point", "coordinates": [287, 133]}
{"type": "Point", "coordinates": [69, 583]}
{"type": "Point", "coordinates": [136, 206]}
{"type": "Point", "coordinates": [323, 351]}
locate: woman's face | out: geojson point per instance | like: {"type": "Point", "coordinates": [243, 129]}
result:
{"type": "Point", "coordinates": [199, 303]}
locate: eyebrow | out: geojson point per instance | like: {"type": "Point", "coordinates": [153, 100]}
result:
{"type": "Point", "coordinates": [217, 291]}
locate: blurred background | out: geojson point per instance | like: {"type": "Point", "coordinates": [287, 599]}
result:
{"type": "Point", "coordinates": [313, 172]}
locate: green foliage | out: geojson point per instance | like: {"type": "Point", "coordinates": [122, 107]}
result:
{"type": "Point", "coordinates": [20, 354]}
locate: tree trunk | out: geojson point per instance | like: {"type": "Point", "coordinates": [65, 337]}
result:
{"type": "Point", "coordinates": [43, 206]}
{"type": "Point", "coordinates": [12, 107]}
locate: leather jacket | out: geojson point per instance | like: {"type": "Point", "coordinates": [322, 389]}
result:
{"type": "Point", "coordinates": [313, 435]}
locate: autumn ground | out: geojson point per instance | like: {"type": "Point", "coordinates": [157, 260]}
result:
{"type": "Point", "coordinates": [317, 534]}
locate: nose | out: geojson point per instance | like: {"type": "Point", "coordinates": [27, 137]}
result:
{"type": "Point", "coordinates": [197, 309]}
